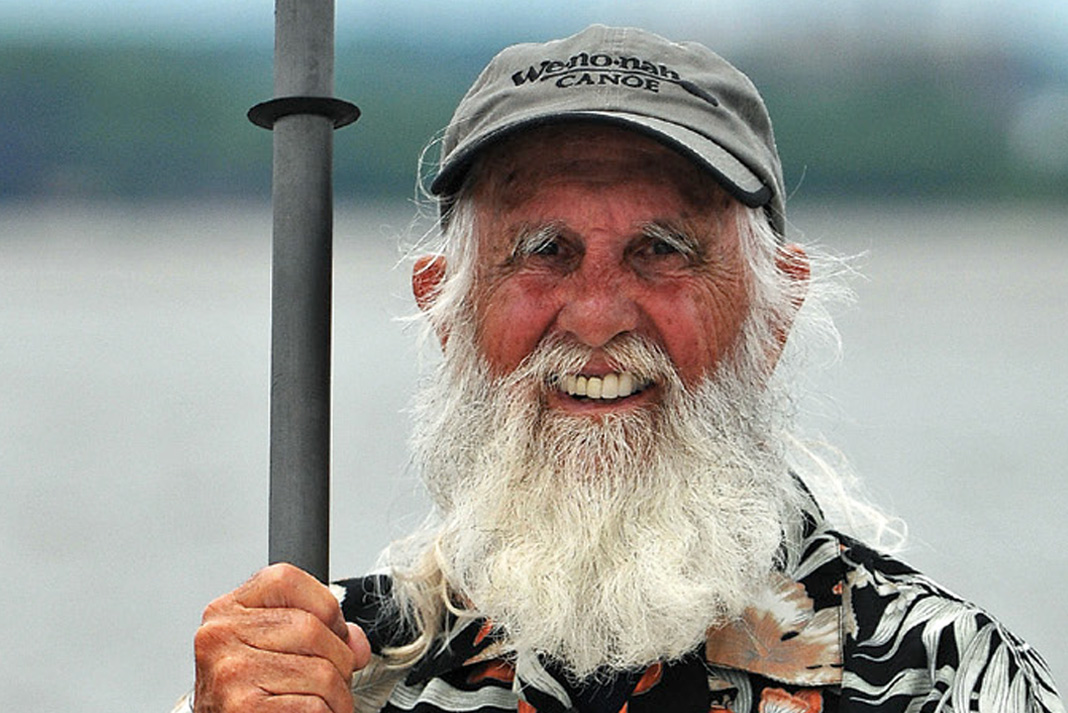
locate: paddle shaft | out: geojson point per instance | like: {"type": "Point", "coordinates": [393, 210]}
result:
{"type": "Point", "coordinates": [302, 197]}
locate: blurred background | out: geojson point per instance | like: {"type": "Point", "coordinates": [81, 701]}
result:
{"type": "Point", "coordinates": [930, 139]}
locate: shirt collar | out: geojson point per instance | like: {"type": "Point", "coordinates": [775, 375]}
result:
{"type": "Point", "coordinates": [793, 631]}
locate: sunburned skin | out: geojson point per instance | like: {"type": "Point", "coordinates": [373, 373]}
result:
{"type": "Point", "coordinates": [590, 232]}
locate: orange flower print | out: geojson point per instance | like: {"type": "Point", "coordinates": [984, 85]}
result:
{"type": "Point", "coordinates": [485, 630]}
{"type": "Point", "coordinates": [776, 700]}
{"type": "Point", "coordinates": [650, 678]}
{"type": "Point", "coordinates": [496, 670]}
{"type": "Point", "coordinates": [782, 637]}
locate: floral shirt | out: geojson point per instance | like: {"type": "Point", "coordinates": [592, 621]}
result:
{"type": "Point", "coordinates": [841, 628]}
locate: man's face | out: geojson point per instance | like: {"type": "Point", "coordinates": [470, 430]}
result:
{"type": "Point", "coordinates": [590, 232]}
{"type": "Point", "coordinates": [605, 532]}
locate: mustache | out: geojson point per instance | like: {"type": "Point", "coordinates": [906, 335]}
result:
{"type": "Point", "coordinates": [557, 356]}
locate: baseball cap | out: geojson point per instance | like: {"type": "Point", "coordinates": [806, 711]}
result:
{"type": "Point", "coordinates": [680, 93]}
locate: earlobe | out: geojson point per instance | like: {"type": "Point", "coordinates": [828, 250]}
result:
{"type": "Point", "coordinates": [792, 261]}
{"type": "Point", "coordinates": [427, 275]}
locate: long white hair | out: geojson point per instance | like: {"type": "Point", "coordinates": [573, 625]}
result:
{"type": "Point", "coordinates": [424, 590]}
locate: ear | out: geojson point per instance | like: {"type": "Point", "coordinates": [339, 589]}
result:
{"type": "Point", "coordinates": [427, 275]}
{"type": "Point", "coordinates": [792, 261]}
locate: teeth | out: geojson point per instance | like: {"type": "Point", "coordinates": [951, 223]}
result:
{"type": "Point", "coordinates": [593, 388]}
{"type": "Point", "coordinates": [607, 387]}
{"type": "Point", "coordinates": [610, 386]}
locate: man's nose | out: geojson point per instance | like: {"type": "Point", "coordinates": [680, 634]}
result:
{"type": "Point", "coordinates": [598, 306]}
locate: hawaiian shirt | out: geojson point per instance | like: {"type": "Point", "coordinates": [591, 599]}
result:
{"type": "Point", "coordinates": [840, 628]}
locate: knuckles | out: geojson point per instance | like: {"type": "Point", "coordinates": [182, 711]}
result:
{"type": "Point", "coordinates": [321, 674]}
{"type": "Point", "coordinates": [284, 585]}
{"type": "Point", "coordinates": [245, 700]}
{"type": "Point", "coordinates": [245, 647]}
{"type": "Point", "coordinates": [283, 577]}
{"type": "Point", "coordinates": [224, 687]}
{"type": "Point", "coordinates": [218, 607]}
{"type": "Point", "coordinates": [280, 573]}
{"type": "Point", "coordinates": [230, 672]}
{"type": "Point", "coordinates": [304, 627]}
{"type": "Point", "coordinates": [212, 636]}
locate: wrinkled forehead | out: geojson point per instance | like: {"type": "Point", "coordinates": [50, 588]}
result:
{"type": "Point", "coordinates": [513, 169]}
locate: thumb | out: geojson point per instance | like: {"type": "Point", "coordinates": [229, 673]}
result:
{"type": "Point", "coordinates": [359, 645]}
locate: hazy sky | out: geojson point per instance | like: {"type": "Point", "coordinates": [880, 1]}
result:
{"type": "Point", "coordinates": [1017, 22]}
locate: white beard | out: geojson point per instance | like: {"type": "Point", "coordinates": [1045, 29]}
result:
{"type": "Point", "coordinates": [606, 543]}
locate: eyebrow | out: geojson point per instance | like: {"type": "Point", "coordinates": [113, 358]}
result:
{"type": "Point", "coordinates": [678, 238]}
{"type": "Point", "coordinates": [532, 238]}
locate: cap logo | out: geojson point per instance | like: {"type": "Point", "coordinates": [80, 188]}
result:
{"type": "Point", "coordinates": [584, 69]}
{"type": "Point", "coordinates": [682, 94]}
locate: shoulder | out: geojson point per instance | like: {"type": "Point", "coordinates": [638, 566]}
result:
{"type": "Point", "coordinates": [905, 636]}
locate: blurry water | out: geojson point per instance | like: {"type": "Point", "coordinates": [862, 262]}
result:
{"type": "Point", "coordinates": [133, 420]}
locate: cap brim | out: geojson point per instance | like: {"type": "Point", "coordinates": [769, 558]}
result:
{"type": "Point", "coordinates": [731, 173]}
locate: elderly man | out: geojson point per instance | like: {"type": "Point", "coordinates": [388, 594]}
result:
{"type": "Point", "coordinates": [622, 519]}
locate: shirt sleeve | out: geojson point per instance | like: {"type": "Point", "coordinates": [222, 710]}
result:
{"type": "Point", "coordinates": [910, 639]}
{"type": "Point", "coordinates": [999, 672]}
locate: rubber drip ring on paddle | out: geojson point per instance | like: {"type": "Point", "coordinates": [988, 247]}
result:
{"type": "Point", "coordinates": [341, 112]}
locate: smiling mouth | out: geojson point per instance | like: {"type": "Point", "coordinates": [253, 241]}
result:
{"type": "Point", "coordinates": [605, 388]}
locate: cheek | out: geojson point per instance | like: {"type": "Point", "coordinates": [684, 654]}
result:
{"type": "Point", "coordinates": [513, 317]}
{"type": "Point", "coordinates": [699, 327]}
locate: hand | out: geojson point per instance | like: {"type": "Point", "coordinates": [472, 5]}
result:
{"type": "Point", "coordinates": [277, 643]}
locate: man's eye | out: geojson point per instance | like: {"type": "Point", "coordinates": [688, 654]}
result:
{"type": "Point", "coordinates": [662, 247]}
{"type": "Point", "coordinates": [658, 247]}
{"type": "Point", "coordinates": [549, 248]}
{"type": "Point", "coordinates": [542, 243]}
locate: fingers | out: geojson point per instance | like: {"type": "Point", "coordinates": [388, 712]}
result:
{"type": "Point", "coordinates": [271, 681]}
{"type": "Point", "coordinates": [292, 704]}
{"type": "Point", "coordinates": [285, 586]}
{"type": "Point", "coordinates": [291, 631]}
{"type": "Point", "coordinates": [277, 642]}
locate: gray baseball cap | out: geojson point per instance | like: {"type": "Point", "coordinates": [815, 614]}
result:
{"type": "Point", "coordinates": [681, 94]}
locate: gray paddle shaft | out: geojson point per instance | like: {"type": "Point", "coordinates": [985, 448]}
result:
{"type": "Point", "coordinates": [302, 197]}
